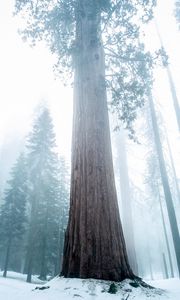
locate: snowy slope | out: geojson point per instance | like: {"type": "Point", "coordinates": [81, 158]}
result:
{"type": "Point", "coordinates": [70, 289]}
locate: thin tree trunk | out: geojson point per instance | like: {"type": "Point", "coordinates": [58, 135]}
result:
{"type": "Point", "coordinates": [166, 237]}
{"type": "Point", "coordinates": [25, 267]}
{"type": "Point", "coordinates": [173, 168]}
{"type": "Point", "coordinates": [31, 240]}
{"type": "Point", "coordinates": [30, 252]}
{"type": "Point", "coordinates": [171, 83]}
{"type": "Point", "coordinates": [165, 182]}
{"type": "Point", "coordinates": [43, 269]}
{"type": "Point", "coordinates": [165, 265]}
{"type": "Point", "coordinates": [29, 267]}
{"type": "Point", "coordinates": [127, 221]}
{"type": "Point", "coordinates": [58, 259]}
{"type": "Point", "coordinates": [7, 256]}
{"type": "Point", "coordinates": [94, 243]}
{"type": "Point", "coordinates": [150, 264]}
{"type": "Point", "coordinates": [174, 96]}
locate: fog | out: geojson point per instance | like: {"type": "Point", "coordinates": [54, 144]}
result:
{"type": "Point", "coordinates": [28, 81]}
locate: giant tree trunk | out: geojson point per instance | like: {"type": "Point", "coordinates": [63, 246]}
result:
{"type": "Point", "coordinates": [94, 243]}
{"type": "Point", "coordinates": [165, 183]}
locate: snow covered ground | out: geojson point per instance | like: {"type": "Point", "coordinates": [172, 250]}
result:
{"type": "Point", "coordinates": [14, 287]}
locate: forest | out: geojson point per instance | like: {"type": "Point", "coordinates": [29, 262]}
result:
{"type": "Point", "coordinates": [89, 149]}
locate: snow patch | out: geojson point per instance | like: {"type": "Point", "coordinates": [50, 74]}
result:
{"type": "Point", "coordinates": [15, 288]}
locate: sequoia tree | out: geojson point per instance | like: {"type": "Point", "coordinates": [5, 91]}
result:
{"type": "Point", "coordinates": [78, 32]}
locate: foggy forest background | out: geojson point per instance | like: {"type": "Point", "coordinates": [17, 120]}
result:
{"type": "Point", "coordinates": [35, 154]}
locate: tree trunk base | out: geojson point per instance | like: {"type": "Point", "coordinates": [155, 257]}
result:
{"type": "Point", "coordinates": [4, 273]}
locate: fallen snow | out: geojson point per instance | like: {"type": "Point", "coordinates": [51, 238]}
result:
{"type": "Point", "coordinates": [14, 287]}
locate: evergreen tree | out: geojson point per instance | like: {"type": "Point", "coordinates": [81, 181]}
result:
{"type": "Point", "coordinates": [44, 195]}
{"type": "Point", "coordinates": [79, 31]}
{"type": "Point", "coordinates": [54, 219]}
{"type": "Point", "coordinates": [13, 211]}
{"type": "Point", "coordinates": [177, 10]}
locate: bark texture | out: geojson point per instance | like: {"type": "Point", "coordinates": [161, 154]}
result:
{"type": "Point", "coordinates": [94, 243]}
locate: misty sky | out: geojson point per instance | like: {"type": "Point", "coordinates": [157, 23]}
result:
{"type": "Point", "coordinates": [27, 78]}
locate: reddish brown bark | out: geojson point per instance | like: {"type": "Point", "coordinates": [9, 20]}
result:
{"type": "Point", "coordinates": [94, 243]}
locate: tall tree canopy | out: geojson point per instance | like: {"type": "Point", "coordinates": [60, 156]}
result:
{"type": "Point", "coordinates": [119, 30]}
{"type": "Point", "coordinates": [95, 38]}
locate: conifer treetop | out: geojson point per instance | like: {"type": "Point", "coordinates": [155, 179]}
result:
{"type": "Point", "coordinates": [128, 64]}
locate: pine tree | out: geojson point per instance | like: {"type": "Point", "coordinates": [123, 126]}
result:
{"type": "Point", "coordinates": [78, 32]}
{"type": "Point", "coordinates": [55, 219]}
{"type": "Point", "coordinates": [13, 211]}
{"type": "Point", "coordinates": [44, 195]}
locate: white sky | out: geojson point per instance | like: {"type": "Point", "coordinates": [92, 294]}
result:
{"type": "Point", "coordinates": [26, 77]}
